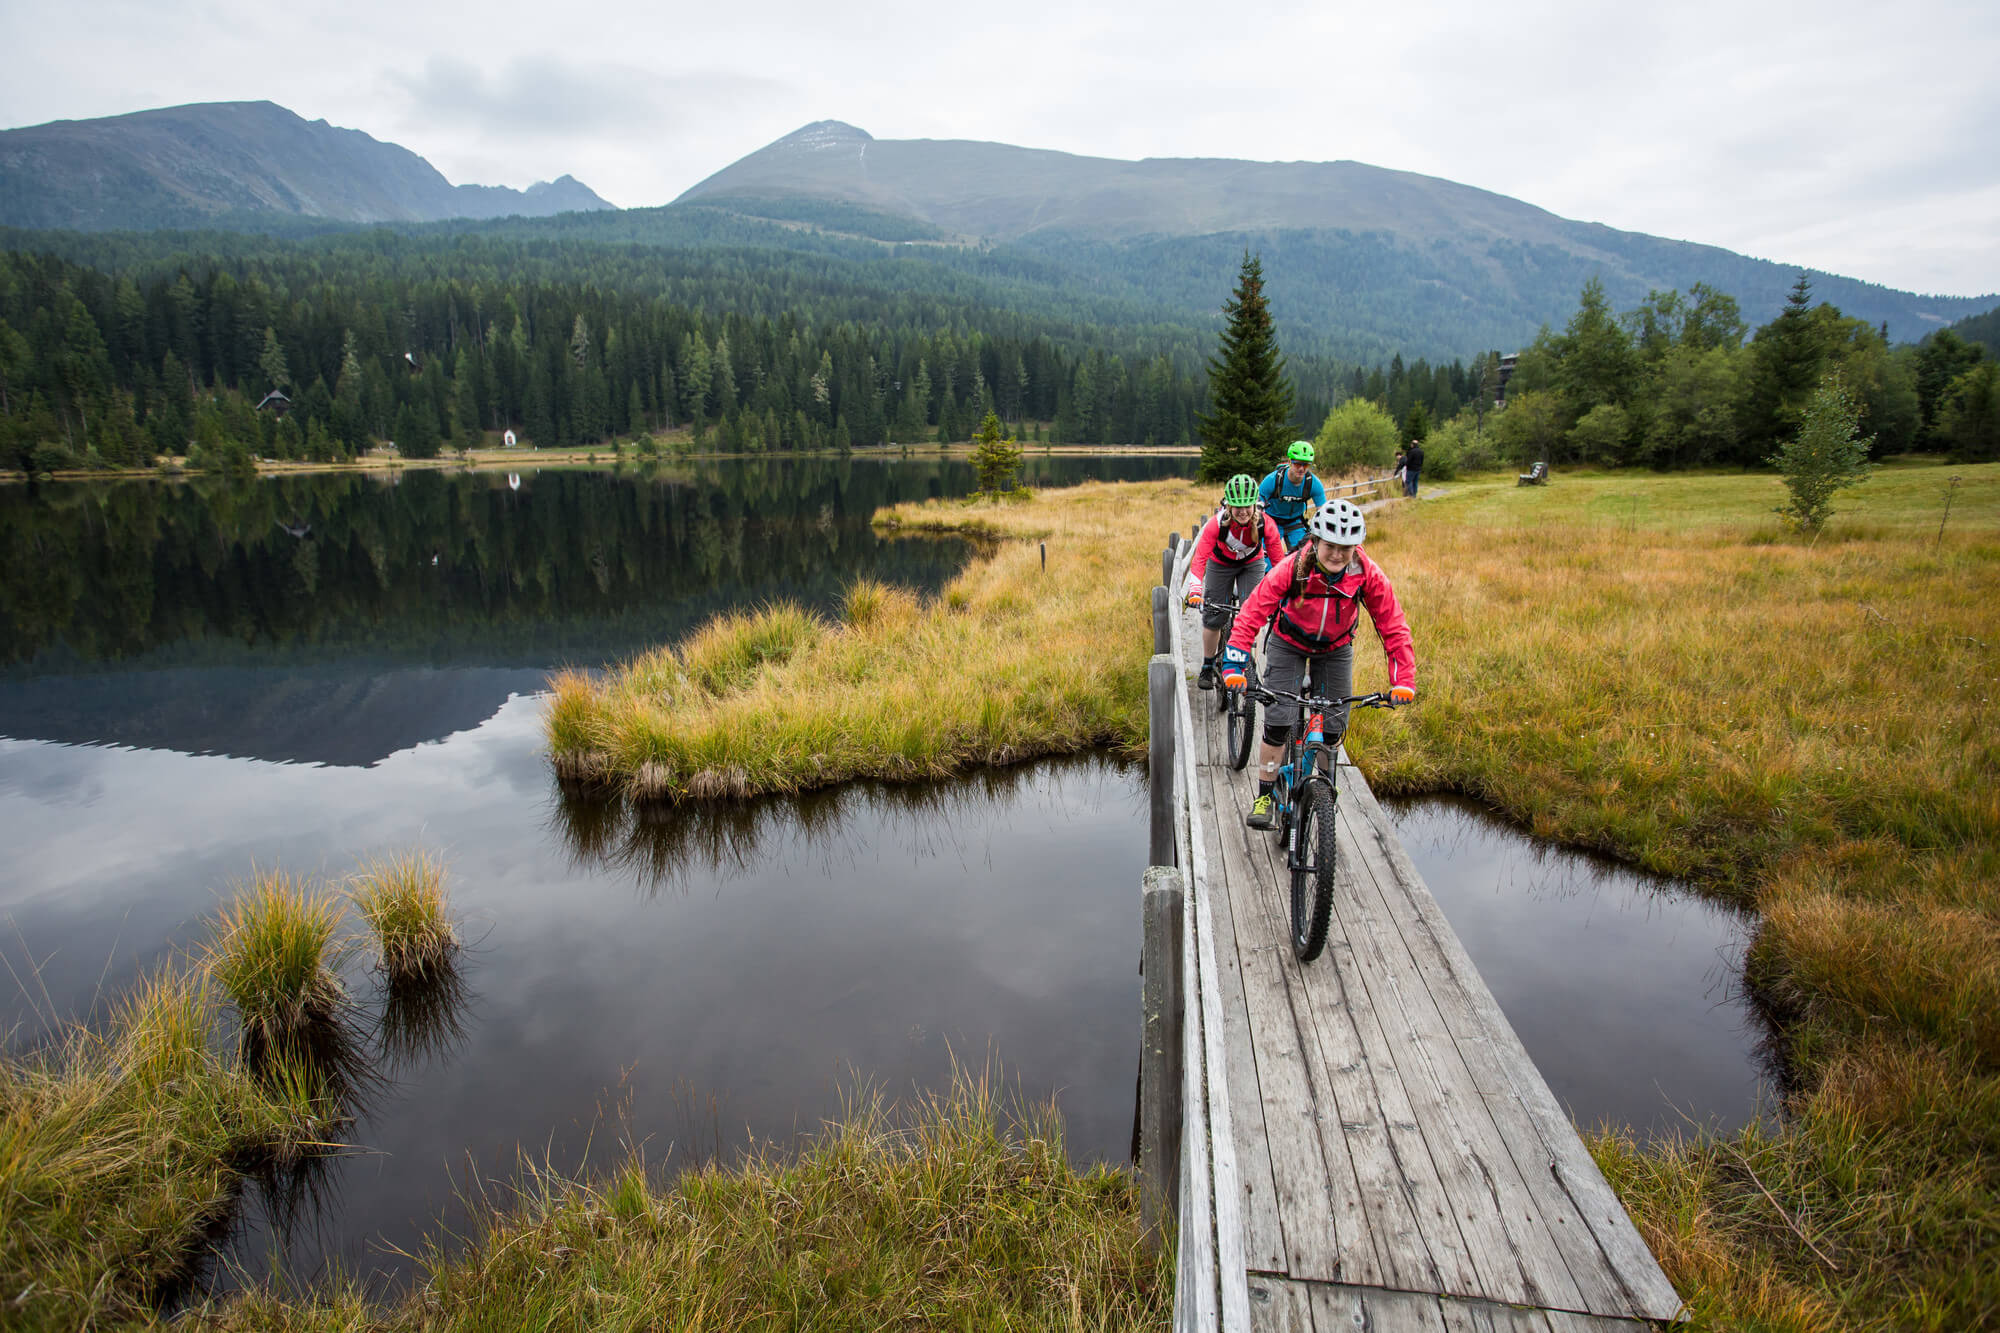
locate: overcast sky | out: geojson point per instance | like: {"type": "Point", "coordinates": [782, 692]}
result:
{"type": "Point", "coordinates": [1858, 138]}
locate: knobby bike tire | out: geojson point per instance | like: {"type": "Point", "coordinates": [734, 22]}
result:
{"type": "Point", "coordinates": [1242, 725]}
{"type": "Point", "coordinates": [1312, 871]}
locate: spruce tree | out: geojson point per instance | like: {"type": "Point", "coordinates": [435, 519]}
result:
{"type": "Point", "coordinates": [1247, 389]}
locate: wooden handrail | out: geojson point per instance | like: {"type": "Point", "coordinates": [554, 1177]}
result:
{"type": "Point", "coordinates": [1358, 486]}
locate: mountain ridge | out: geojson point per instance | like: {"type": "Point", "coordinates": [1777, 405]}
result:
{"type": "Point", "coordinates": [218, 163]}
{"type": "Point", "coordinates": [1378, 258]}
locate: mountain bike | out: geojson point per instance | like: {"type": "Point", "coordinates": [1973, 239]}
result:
{"type": "Point", "coordinates": [1237, 703]}
{"type": "Point", "coordinates": [1304, 799]}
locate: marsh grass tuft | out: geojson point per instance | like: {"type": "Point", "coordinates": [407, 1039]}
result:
{"type": "Point", "coordinates": [274, 954]}
{"type": "Point", "coordinates": [119, 1152]}
{"type": "Point", "coordinates": [402, 898]}
{"type": "Point", "coordinates": [953, 1213]}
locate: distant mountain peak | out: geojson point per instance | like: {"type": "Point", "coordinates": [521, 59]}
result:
{"type": "Point", "coordinates": [230, 163]}
{"type": "Point", "coordinates": [824, 136]}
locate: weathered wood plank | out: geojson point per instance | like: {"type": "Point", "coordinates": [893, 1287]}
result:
{"type": "Point", "coordinates": [1160, 1081]}
{"type": "Point", "coordinates": [1197, 1279]}
{"type": "Point", "coordinates": [1331, 1016]}
{"type": "Point", "coordinates": [1510, 1247]}
{"type": "Point", "coordinates": [1341, 973]}
{"type": "Point", "coordinates": [1572, 1198]}
{"type": "Point", "coordinates": [1374, 1310]}
{"type": "Point", "coordinates": [1280, 1306]}
{"type": "Point", "coordinates": [1226, 1189]}
{"type": "Point", "coordinates": [1326, 1231]}
{"type": "Point", "coordinates": [1568, 1321]}
{"type": "Point", "coordinates": [1264, 1237]}
{"type": "Point", "coordinates": [1487, 1317]}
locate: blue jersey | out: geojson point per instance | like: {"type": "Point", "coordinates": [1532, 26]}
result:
{"type": "Point", "coordinates": [1287, 503]}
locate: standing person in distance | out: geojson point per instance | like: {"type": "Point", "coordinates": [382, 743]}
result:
{"type": "Point", "coordinates": [1401, 468]}
{"type": "Point", "coordinates": [1413, 463]}
{"type": "Point", "coordinates": [1232, 552]}
{"type": "Point", "coordinates": [1289, 489]}
{"type": "Point", "coordinates": [1313, 599]}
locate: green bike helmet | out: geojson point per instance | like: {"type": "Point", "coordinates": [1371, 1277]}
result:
{"type": "Point", "coordinates": [1240, 492]}
{"type": "Point", "coordinates": [1300, 452]}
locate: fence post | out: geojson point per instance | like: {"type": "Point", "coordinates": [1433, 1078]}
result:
{"type": "Point", "coordinates": [1167, 564]}
{"type": "Point", "coordinates": [1162, 631]}
{"type": "Point", "coordinates": [1160, 1052]}
{"type": "Point", "coordinates": [1162, 679]}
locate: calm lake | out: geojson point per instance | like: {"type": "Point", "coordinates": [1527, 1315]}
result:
{"type": "Point", "coordinates": [200, 680]}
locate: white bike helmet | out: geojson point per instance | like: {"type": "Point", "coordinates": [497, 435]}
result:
{"type": "Point", "coordinates": [1340, 522]}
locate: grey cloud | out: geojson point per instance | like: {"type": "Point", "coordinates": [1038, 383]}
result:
{"type": "Point", "coordinates": [546, 97]}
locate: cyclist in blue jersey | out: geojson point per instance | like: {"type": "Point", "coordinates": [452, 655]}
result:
{"type": "Point", "coordinates": [1289, 489]}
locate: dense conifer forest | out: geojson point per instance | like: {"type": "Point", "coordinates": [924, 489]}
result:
{"type": "Point", "coordinates": [115, 349]}
{"type": "Point", "coordinates": [119, 348]}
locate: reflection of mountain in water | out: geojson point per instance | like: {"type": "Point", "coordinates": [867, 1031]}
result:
{"type": "Point", "coordinates": [337, 619]}
{"type": "Point", "coordinates": [307, 715]}
{"type": "Point", "coordinates": [342, 617]}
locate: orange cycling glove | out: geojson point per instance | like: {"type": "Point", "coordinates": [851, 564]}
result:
{"type": "Point", "coordinates": [1402, 694]}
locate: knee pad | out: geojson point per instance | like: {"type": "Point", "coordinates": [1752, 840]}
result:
{"type": "Point", "coordinates": [1275, 735]}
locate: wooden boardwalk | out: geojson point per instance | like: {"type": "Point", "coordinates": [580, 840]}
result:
{"type": "Point", "coordinates": [1366, 1143]}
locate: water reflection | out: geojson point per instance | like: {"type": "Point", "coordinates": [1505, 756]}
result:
{"type": "Point", "coordinates": [671, 847]}
{"type": "Point", "coordinates": [339, 618]}
{"type": "Point", "coordinates": [1625, 988]}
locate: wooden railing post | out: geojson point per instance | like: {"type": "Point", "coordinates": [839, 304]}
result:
{"type": "Point", "coordinates": [1162, 679]}
{"type": "Point", "coordinates": [1163, 637]}
{"type": "Point", "coordinates": [1160, 1071]}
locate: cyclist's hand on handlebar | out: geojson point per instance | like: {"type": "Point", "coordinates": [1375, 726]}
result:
{"type": "Point", "coordinates": [1402, 694]}
{"type": "Point", "coordinates": [1235, 664]}
{"type": "Point", "coordinates": [1191, 595]}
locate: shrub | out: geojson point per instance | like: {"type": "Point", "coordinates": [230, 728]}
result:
{"type": "Point", "coordinates": [1827, 455]}
{"type": "Point", "coordinates": [1356, 434]}
{"type": "Point", "coordinates": [1459, 445]}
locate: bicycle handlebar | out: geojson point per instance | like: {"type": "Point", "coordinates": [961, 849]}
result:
{"type": "Point", "coordinates": [1322, 703]}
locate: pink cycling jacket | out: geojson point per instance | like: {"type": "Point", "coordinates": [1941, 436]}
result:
{"type": "Point", "coordinates": [1326, 612]}
{"type": "Point", "coordinates": [1233, 546]}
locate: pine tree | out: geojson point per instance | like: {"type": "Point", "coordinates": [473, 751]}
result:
{"type": "Point", "coordinates": [1251, 398]}
{"type": "Point", "coordinates": [995, 457]}
{"type": "Point", "coordinates": [276, 374]}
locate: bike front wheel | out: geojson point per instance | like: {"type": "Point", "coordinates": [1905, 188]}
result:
{"type": "Point", "coordinates": [1312, 871]}
{"type": "Point", "coordinates": [1242, 724]}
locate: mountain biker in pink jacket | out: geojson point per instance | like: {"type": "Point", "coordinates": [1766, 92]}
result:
{"type": "Point", "coordinates": [1231, 553]}
{"type": "Point", "coordinates": [1313, 599]}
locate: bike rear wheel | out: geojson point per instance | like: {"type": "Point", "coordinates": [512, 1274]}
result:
{"type": "Point", "coordinates": [1312, 871]}
{"type": "Point", "coordinates": [1242, 724]}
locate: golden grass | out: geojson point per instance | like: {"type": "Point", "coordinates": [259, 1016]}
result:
{"type": "Point", "coordinates": [273, 957]}
{"type": "Point", "coordinates": [958, 1217]}
{"type": "Point", "coordinates": [117, 1150]}
{"type": "Point", "coordinates": [1009, 663]}
{"type": "Point", "coordinates": [1652, 667]}
{"type": "Point", "coordinates": [402, 898]}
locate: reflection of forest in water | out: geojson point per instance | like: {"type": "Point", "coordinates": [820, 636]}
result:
{"type": "Point", "coordinates": [668, 848]}
{"type": "Point", "coordinates": [337, 618]}
{"type": "Point", "coordinates": [429, 567]}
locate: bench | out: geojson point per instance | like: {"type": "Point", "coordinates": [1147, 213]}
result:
{"type": "Point", "coordinates": [1535, 476]}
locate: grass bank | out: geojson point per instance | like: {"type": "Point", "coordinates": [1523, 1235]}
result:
{"type": "Point", "coordinates": [957, 1216]}
{"type": "Point", "coordinates": [1013, 660]}
{"type": "Point", "coordinates": [1653, 667]}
